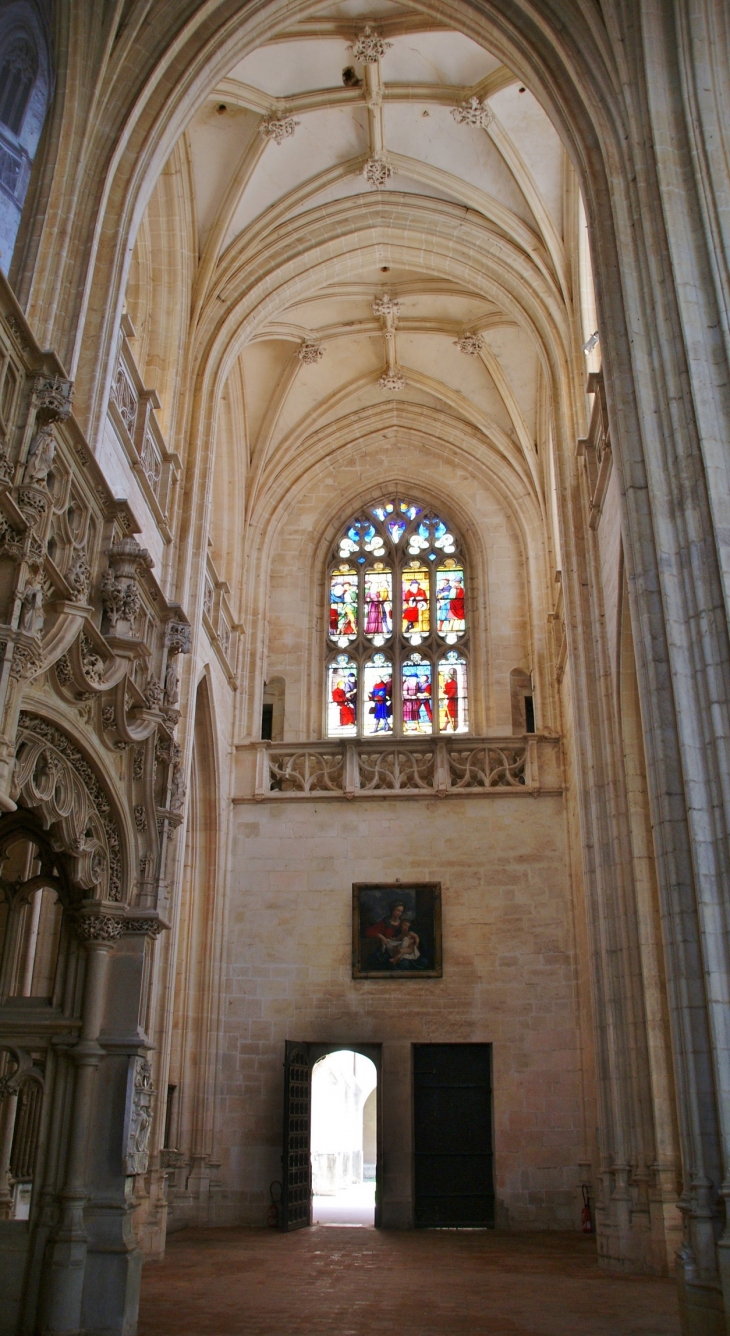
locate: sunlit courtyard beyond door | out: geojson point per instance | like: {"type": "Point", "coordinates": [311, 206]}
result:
{"type": "Point", "coordinates": [344, 1139]}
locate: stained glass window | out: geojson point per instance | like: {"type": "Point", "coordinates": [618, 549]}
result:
{"type": "Point", "coordinates": [453, 700]}
{"type": "Point", "coordinates": [378, 692]}
{"type": "Point", "coordinates": [342, 698]}
{"type": "Point", "coordinates": [343, 605]}
{"type": "Point", "coordinates": [378, 603]}
{"type": "Point", "coordinates": [417, 695]}
{"type": "Point", "coordinates": [398, 602]}
{"type": "Point", "coordinates": [416, 602]}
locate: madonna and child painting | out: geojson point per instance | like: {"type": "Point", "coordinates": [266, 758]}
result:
{"type": "Point", "coordinates": [396, 930]}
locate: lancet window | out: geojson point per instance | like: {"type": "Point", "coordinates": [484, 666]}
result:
{"type": "Point", "coordinates": [397, 634]}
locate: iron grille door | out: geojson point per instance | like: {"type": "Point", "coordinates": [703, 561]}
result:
{"type": "Point", "coordinates": [296, 1197]}
{"type": "Point", "coordinates": [452, 1093]}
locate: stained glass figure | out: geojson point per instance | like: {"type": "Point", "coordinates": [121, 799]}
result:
{"type": "Point", "coordinates": [378, 603]}
{"type": "Point", "coordinates": [342, 698]}
{"type": "Point", "coordinates": [382, 512]}
{"type": "Point", "coordinates": [453, 698]}
{"type": "Point", "coordinates": [378, 696]}
{"type": "Point", "coordinates": [416, 604]}
{"type": "Point", "coordinates": [417, 695]}
{"type": "Point", "coordinates": [410, 510]}
{"type": "Point", "coordinates": [343, 605]}
{"type": "Point", "coordinates": [450, 602]}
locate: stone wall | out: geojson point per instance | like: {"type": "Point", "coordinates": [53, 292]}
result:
{"type": "Point", "coordinates": [509, 979]}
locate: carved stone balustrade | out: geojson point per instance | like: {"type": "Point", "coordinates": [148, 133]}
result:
{"type": "Point", "coordinates": [460, 766]}
{"type": "Point", "coordinates": [132, 411]}
{"type": "Point", "coordinates": [219, 622]}
{"type": "Point", "coordinates": [595, 449]}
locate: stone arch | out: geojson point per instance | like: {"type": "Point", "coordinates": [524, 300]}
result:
{"type": "Point", "coordinates": [53, 779]}
{"type": "Point", "coordinates": [352, 490]}
{"type": "Point", "coordinates": [191, 1061]}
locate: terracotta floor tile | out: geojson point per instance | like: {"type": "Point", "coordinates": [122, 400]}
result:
{"type": "Point", "coordinates": [352, 1282]}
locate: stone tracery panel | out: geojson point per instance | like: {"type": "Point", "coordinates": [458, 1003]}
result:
{"type": "Point", "coordinates": [52, 777]}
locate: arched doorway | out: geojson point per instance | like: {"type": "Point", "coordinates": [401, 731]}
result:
{"type": "Point", "coordinates": [344, 1139]}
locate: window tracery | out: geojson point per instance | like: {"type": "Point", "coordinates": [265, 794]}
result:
{"type": "Point", "coordinates": [397, 656]}
{"type": "Point", "coordinates": [18, 70]}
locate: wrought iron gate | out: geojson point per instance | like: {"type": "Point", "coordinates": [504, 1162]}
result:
{"type": "Point", "coordinates": [296, 1197]}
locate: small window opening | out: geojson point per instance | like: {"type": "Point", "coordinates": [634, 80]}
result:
{"type": "Point", "coordinates": [344, 1139]}
{"type": "Point", "coordinates": [529, 715]}
{"type": "Point", "coordinates": [18, 69]}
{"type": "Point", "coordinates": [267, 723]}
{"type": "Point", "coordinates": [169, 1107]}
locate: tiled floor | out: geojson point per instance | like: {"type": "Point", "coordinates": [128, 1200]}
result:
{"type": "Point", "coordinates": [355, 1282]}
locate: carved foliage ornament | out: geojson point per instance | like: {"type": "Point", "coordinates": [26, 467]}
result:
{"type": "Point", "coordinates": [369, 47]}
{"type": "Point", "coordinates": [119, 587]}
{"type": "Point", "coordinates": [471, 344]}
{"type": "Point", "coordinates": [392, 380]}
{"type": "Point", "coordinates": [52, 777]}
{"type": "Point", "coordinates": [278, 128]}
{"type": "Point", "coordinates": [473, 112]}
{"type": "Point", "coordinates": [386, 305]}
{"type": "Point", "coordinates": [377, 172]}
{"type": "Point", "coordinates": [310, 352]}
{"type": "Point", "coordinates": [78, 576]}
{"type": "Point", "coordinates": [98, 928]}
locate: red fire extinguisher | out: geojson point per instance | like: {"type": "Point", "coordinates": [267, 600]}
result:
{"type": "Point", "coordinates": [586, 1223]}
{"type": "Point", "coordinates": [274, 1207]}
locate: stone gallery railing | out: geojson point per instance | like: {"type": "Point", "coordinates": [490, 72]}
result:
{"type": "Point", "coordinates": [409, 767]}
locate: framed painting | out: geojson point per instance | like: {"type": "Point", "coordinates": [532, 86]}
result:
{"type": "Point", "coordinates": [396, 930]}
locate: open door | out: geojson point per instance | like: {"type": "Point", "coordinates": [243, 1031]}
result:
{"type": "Point", "coordinates": [296, 1197]}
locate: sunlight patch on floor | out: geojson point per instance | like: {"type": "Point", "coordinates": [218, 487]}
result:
{"type": "Point", "coordinates": [350, 1206]}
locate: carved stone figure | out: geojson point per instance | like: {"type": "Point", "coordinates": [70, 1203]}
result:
{"type": "Point", "coordinates": [177, 789]}
{"type": "Point", "coordinates": [153, 694]}
{"type": "Point", "coordinates": [140, 1092]}
{"type": "Point", "coordinates": [31, 612]}
{"type": "Point", "coordinates": [172, 685]}
{"type": "Point", "coordinates": [40, 456]}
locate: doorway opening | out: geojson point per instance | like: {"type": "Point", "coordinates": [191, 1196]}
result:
{"type": "Point", "coordinates": [344, 1124]}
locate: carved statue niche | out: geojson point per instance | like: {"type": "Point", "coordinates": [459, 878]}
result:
{"type": "Point", "coordinates": [31, 609]}
{"type": "Point", "coordinates": [52, 398]}
{"type": "Point", "coordinates": [40, 456]}
{"type": "Point", "coordinates": [172, 684]}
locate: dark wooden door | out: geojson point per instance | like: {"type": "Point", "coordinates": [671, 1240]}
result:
{"type": "Point", "coordinates": [452, 1090]}
{"type": "Point", "coordinates": [296, 1198]}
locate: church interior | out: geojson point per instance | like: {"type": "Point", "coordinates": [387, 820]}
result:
{"type": "Point", "coordinates": [365, 653]}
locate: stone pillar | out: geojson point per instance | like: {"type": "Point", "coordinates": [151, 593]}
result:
{"type": "Point", "coordinates": [61, 1302]}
